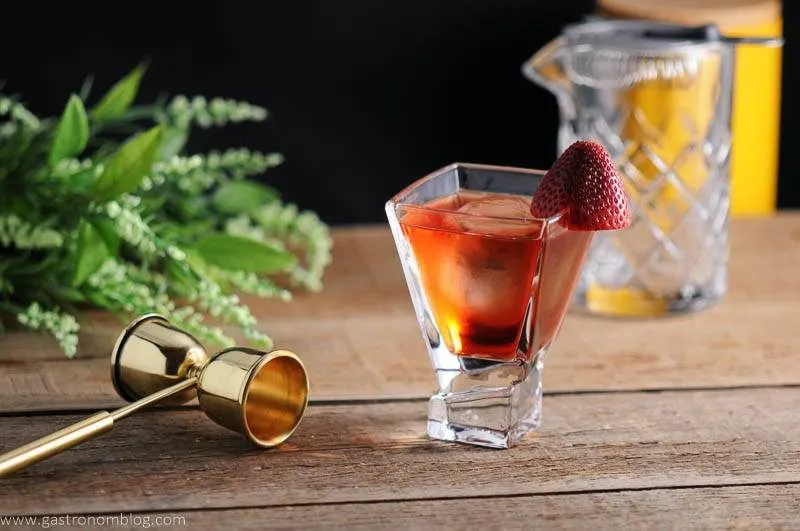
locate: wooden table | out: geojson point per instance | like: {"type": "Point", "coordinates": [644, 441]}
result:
{"type": "Point", "coordinates": [674, 423]}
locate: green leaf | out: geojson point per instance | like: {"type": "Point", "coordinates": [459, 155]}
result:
{"type": "Point", "coordinates": [236, 253]}
{"type": "Point", "coordinates": [86, 87]}
{"type": "Point", "coordinates": [29, 267]}
{"type": "Point", "coordinates": [70, 294]}
{"type": "Point", "coordinates": [91, 253]}
{"type": "Point", "coordinates": [174, 140]}
{"type": "Point", "coordinates": [240, 197]}
{"type": "Point", "coordinates": [197, 263]}
{"type": "Point", "coordinates": [83, 181]}
{"type": "Point", "coordinates": [117, 100]}
{"type": "Point", "coordinates": [128, 166]}
{"type": "Point", "coordinates": [205, 270]}
{"type": "Point", "coordinates": [72, 132]}
{"type": "Point", "coordinates": [98, 299]}
{"type": "Point", "coordinates": [106, 229]}
{"type": "Point", "coordinates": [191, 207]}
{"type": "Point", "coordinates": [186, 230]}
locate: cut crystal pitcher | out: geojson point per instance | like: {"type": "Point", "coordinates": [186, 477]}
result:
{"type": "Point", "coordinates": [661, 106]}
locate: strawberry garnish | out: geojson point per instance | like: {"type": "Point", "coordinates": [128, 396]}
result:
{"type": "Point", "coordinates": [584, 184]}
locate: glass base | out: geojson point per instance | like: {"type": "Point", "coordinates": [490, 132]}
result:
{"type": "Point", "coordinates": [631, 302]}
{"type": "Point", "coordinates": [476, 410]}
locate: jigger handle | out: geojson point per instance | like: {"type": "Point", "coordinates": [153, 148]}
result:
{"type": "Point", "coordinates": [54, 443]}
{"type": "Point", "coordinates": [90, 427]}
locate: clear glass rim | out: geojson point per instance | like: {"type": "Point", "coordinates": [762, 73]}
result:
{"type": "Point", "coordinates": [623, 36]}
{"type": "Point", "coordinates": [397, 199]}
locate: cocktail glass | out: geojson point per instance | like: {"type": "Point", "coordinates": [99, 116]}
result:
{"type": "Point", "coordinates": [490, 285]}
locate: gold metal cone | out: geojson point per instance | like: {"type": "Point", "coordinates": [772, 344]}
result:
{"type": "Point", "coordinates": [260, 395]}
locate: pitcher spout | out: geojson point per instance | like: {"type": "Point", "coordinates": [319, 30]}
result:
{"type": "Point", "coordinates": [547, 68]}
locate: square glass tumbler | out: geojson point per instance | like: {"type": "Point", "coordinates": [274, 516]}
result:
{"type": "Point", "coordinates": [490, 285]}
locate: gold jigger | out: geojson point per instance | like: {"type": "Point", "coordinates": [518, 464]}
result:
{"type": "Point", "coordinates": [261, 395]}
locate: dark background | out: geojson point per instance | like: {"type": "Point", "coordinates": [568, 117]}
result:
{"type": "Point", "coordinates": [364, 95]}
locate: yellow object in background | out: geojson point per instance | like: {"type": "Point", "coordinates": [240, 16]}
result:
{"type": "Point", "coordinates": [755, 122]}
{"type": "Point", "coordinates": [668, 121]}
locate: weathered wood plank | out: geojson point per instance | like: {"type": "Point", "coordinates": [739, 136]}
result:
{"type": "Point", "coordinates": [358, 358]}
{"type": "Point", "coordinates": [170, 460]}
{"type": "Point", "coordinates": [383, 357]}
{"type": "Point", "coordinates": [360, 340]}
{"type": "Point", "coordinates": [754, 507]}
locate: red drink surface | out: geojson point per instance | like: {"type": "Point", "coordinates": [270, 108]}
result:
{"type": "Point", "coordinates": [478, 273]}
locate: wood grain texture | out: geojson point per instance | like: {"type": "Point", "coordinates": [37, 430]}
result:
{"type": "Point", "coordinates": [754, 507]}
{"type": "Point", "coordinates": [178, 460]}
{"type": "Point", "coordinates": [383, 357]}
{"type": "Point", "coordinates": [360, 340]}
{"type": "Point", "coordinates": [366, 357]}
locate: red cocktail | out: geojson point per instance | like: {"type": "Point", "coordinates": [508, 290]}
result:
{"type": "Point", "coordinates": [492, 256]}
{"type": "Point", "coordinates": [477, 255]}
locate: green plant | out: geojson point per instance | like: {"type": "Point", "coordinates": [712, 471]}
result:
{"type": "Point", "coordinates": [132, 225]}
